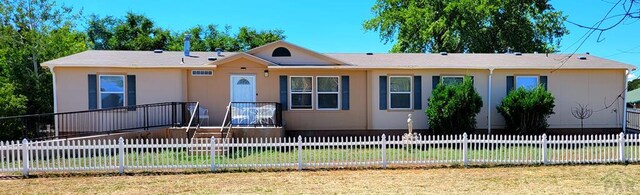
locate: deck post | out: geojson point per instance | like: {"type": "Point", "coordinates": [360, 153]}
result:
{"type": "Point", "coordinates": [544, 149]}
{"type": "Point", "coordinates": [121, 155]}
{"type": "Point", "coordinates": [384, 151]}
{"type": "Point", "coordinates": [213, 154]}
{"type": "Point", "coordinates": [299, 152]}
{"type": "Point", "coordinates": [25, 157]}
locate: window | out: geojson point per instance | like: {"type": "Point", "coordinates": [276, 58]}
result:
{"type": "Point", "coordinates": [111, 91]}
{"type": "Point", "coordinates": [281, 52]}
{"type": "Point", "coordinates": [202, 73]}
{"type": "Point", "coordinates": [448, 80]}
{"type": "Point", "coordinates": [528, 82]}
{"type": "Point", "coordinates": [328, 90]}
{"type": "Point", "coordinates": [400, 92]}
{"type": "Point", "coordinates": [301, 92]}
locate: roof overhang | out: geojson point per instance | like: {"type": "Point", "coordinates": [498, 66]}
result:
{"type": "Point", "coordinates": [242, 56]}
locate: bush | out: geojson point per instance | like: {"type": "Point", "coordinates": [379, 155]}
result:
{"type": "Point", "coordinates": [526, 111]}
{"type": "Point", "coordinates": [453, 108]}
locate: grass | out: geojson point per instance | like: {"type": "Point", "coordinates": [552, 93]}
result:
{"type": "Point", "coordinates": [593, 179]}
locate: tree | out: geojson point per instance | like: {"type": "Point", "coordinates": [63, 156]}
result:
{"type": "Point", "coordinates": [468, 25]}
{"type": "Point", "coordinates": [634, 84]}
{"type": "Point", "coordinates": [33, 32]}
{"type": "Point", "coordinates": [453, 108]}
{"type": "Point", "coordinates": [137, 32]}
{"type": "Point", "coordinates": [526, 110]}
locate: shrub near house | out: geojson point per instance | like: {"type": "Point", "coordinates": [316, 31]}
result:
{"type": "Point", "coordinates": [453, 107]}
{"type": "Point", "coordinates": [526, 110]}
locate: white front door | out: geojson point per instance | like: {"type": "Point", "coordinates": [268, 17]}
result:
{"type": "Point", "coordinates": [243, 88]}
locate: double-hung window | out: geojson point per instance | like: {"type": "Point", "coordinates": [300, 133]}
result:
{"type": "Point", "coordinates": [400, 92]}
{"type": "Point", "coordinates": [111, 91]}
{"type": "Point", "coordinates": [451, 80]}
{"type": "Point", "coordinates": [527, 82]}
{"type": "Point", "coordinates": [327, 91]}
{"type": "Point", "coordinates": [301, 92]}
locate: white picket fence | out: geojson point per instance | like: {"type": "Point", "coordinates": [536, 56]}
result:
{"type": "Point", "coordinates": [313, 152]}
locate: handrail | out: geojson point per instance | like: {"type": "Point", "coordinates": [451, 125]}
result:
{"type": "Point", "coordinates": [93, 110]}
{"type": "Point", "coordinates": [195, 111]}
{"type": "Point", "coordinates": [226, 115]}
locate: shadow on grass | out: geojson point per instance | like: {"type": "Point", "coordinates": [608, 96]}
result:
{"type": "Point", "coordinates": [204, 171]}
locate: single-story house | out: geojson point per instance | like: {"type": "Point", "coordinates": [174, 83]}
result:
{"type": "Point", "coordinates": [338, 93]}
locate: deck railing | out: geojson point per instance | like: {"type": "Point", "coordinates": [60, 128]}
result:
{"type": "Point", "coordinates": [215, 154]}
{"type": "Point", "coordinates": [256, 114]}
{"type": "Point", "coordinates": [633, 119]}
{"type": "Point", "coordinates": [98, 121]}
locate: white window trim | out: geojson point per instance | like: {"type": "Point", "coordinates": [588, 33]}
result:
{"type": "Point", "coordinates": [410, 93]}
{"type": "Point", "coordinates": [515, 84]}
{"type": "Point", "coordinates": [337, 93]}
{"type": "Point", "coordinates": [124, 90]}
{"type": "Point", "coordinates": [291, 93]}
{"type": "Point", "coordinates": [450, 76]}
{"type": "Point", "coordinates": [201, 75]}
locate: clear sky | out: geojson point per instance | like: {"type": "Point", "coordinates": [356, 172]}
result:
{"type": "Point", "coordinates": [336, 25]}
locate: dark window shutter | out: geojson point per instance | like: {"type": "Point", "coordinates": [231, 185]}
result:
{"type": "Point", "coordinates": [131, 92]}
{"type": "Point", "coordinates": [383, 92]}
{"type": "Point", "coordinates": [510, 84]}
{"type": "Point", "coordinates": [345, 92]}
{"type": "Point", "coordinates": [417, 92]}
{"type": "Point", "coordinates": [284, 92]}
{"type": "Point", "coordinates": [544, 81]}
{"type": "Point", "coordinates": [435, 80]}
{"type": "Point", "coordinates": [93, 92]}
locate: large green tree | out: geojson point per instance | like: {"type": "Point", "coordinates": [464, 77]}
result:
{"type": "Point", "coordinates": [34, 31]}
{"type": "Point", "coordinates": [480, 26]}
{"type": "Point", "coordinates": [138, 32]}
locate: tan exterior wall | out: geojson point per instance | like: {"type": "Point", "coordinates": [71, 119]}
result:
{"type": "Point", "coordinates": [397, 119]}
{"type": "Point", "coordinates": [214, 94]}
{"type": "Point", "coordinates": [596, 88]}
{"type": "Point", "coordinates": [152, 85]}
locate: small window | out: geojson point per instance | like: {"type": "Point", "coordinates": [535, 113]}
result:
{"type": "Point", "coordinates": [301, 92]}
{"type": "Point", "coordinates": [201, 72]}
{"type": "Point", "coordinates": [400, 92]}
{"type": "Point", "coordinates": [111, 91]}
{"type": "Point", "coordinates": [328, 88]}
{"type": "Point", "coordinates": [527, 82]}
{"type": "Point", "coordinates": [281, 52]}
{"type": "Point", "coordinates": [449, 80]}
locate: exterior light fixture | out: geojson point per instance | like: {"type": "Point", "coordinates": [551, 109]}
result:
{"type": "Point", "coordinates": [266, 73]}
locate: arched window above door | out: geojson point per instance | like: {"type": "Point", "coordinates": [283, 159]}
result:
{"type": "Point", "coordinates": [243, 82]}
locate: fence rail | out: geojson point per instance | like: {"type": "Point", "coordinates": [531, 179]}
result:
{"type": "Point", "coordinates": [300, 153]}
{"type": "Point", "coordinates": [98, 121]}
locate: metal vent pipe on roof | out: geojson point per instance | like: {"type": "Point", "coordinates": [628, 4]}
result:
{"type": "Point", "coordinates": [187, 44]}
{"type": "Point", "coordinates": [218, 51]}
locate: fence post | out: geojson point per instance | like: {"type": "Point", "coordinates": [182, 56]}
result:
{"type": "Point", "coordinates": [384, 151]}
{"type": "Point", "coordinates": [25, 157]}
{"type": "Point", "coordinates": [465, 143]}
{"type": "Point", "coordinates": [544, 149]}
{"type": "Point", "coordinates": [621, 147]}
{"type": "Point", "coordinates": [121, 155]}
{"type": "Point", "coordinates": [213, 154]}
{"type": "Point", "coordinates": [299, 152]}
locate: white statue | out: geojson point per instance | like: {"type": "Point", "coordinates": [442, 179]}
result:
{"type": "Point", "coordinates": [410, 125]}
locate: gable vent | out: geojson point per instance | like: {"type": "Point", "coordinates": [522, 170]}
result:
{"type": "Point", "coordinates": [202, 73]}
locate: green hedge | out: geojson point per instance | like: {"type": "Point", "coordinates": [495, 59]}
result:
{"type": "Point", "coordinates": [453, 108]}
{"type": "Point", "coordinates": [526, 111]}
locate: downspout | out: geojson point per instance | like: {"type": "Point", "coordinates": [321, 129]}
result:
{"type": "Point", "coordinates": [624, 102]}
{"type": "Point", "coordinates": [55, 103]}
{"type": "Point", "coordinates": [489, 101]}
